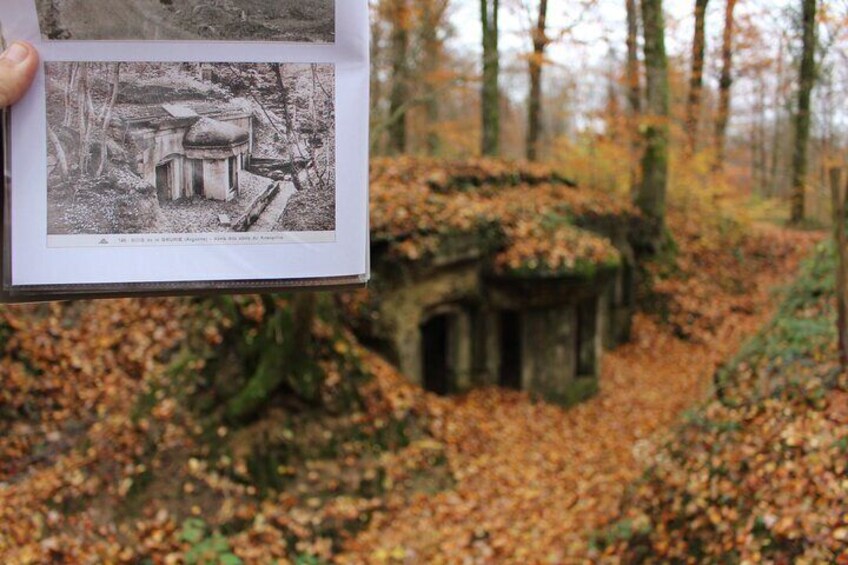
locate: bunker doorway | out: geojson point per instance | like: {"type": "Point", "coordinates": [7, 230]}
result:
{"type": "Point", "coordinates": [197, 178]}
{"type": "Point", "coordinates": [232, 166]}
{"type": "Point", "coordinates": [165, 181]}
{"type": "Point", "coordinates": [587, 326]}
{"type": "Point", "coordinates": [436, 354]}
{"type": "Point", "coordinates": [510, 347]}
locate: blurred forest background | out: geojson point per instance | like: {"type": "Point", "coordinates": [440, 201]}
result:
{"type": "Point", "coordinates": [648, 198]}
{"type": "Point", "coordinates": [572, 85]}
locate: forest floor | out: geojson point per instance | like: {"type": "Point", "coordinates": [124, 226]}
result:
{"type": "Point", "coordinates": [756, 474]}
{"type": "Point", "coordinates": [102, 459]}
{"type": "Point", "coordinates": [534, 483]}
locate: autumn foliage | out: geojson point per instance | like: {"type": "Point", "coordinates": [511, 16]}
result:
{"type": "Point", "coordinates": [756, 474]}
{"type": "Point", "coordinates": [537, 212]}
{"type": "Point", "coordinates": [537, 484]}
{"type": "Point", "coordinates": [116, 448]}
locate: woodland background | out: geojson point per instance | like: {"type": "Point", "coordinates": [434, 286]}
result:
{"type": "Point", "coordinates": [258, 429]}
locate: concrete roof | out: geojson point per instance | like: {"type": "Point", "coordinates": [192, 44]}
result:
{"type": "Point", "coordinates": [209, 133]}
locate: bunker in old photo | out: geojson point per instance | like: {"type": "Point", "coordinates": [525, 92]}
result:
{"type": "Point", "coordinates": [190, 148]}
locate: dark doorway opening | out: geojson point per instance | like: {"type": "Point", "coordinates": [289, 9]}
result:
{"type": "Point", "coordinates": [435, 355]}
{"type": "Point", "coordinates": [197, 177]}
{"type": "Point", "coordinates": [164, 181]}
{"type": "Point", "coordinates": [628, 281]}
{"type": "Point", "coordinates": [587, 325]}
{"type": "Point", "coordinates": [233, 172]}
{"type": "Point", "coordinates": [510, 346]}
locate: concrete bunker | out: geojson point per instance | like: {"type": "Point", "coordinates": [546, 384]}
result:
{"type": "Point", "coordinates": [189, 152]}
{"type": "Point", "coordinates": [521, 297]}
{"type": "Point", "coordinates": [453, 327]}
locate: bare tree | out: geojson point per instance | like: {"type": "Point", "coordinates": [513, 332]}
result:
{"type": "Point", "coordinates": [432, 18]}
{"type": "Point", "coordinates": [725, 84]}
{"type": "Point", "coordinates": [696, 79]}
{"type": "Point", "coordinates": [534, 105]}
{"type": "Point", "coordinates": [399, 13]}
{"type": "Point", "coordinates": [840, 238]}
{"type": "Point", "coordinates": [652, 193]}
{"type": "Point", "coordinates": [807, 80]}
{"type": "Point", "coordinates": [107, 118]}
{"type": "Point", "coordinates": [634, 89]}
{"type": "Point", "coordinates": [490, 96]}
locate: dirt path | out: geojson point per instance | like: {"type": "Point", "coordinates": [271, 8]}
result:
{"type": "Point", "coordinates": [534, 481]}
{"type": "Point", "coordinates": [275, 209]}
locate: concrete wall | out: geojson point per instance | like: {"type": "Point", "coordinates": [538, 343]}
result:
{"type": "Point", "coordinates": [548, 355]}
{"type": "Point", "coordinates": [154, 147]}
{"type": "Point", "coordinates": [216, 179]}
{"type": "Point", "coordinates": [405, 309]}
{"type": "Point", "coordinates": [548, 315]}
{"type": "Point", "coordinates": [462, 358]}
{"type": "Point", "coordinates": [486, 359]}
{"type": "Point", "coordinates": [178, 174]}
{"type": "Point", "coordinates": [621, 306]}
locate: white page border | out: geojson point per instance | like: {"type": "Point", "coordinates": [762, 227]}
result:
{"type": "Point", "coordinates": [34, 263]}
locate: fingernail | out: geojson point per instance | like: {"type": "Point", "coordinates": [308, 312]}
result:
{"type": "Point", "coordinates": [16, 53]}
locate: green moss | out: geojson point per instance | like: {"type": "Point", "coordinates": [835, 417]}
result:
{"type": "Point", "coordinates": [578, 391]}
{"type": "Point", "coordinates": [582, 270]}
{"type": "Point", "coordinates": [803, 325]}
{"type": "Point", "coordinates": [281, 351]}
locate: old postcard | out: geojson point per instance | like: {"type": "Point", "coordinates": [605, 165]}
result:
{"type": "Point", "coordinates": [189, 148]}
{"type": "Point", "coordinates": [238, 158]}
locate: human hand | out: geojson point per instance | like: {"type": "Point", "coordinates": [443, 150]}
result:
{"type": "Point", "coordinates": [18, 64]}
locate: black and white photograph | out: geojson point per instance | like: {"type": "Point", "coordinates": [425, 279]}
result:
{"type": "Point", "coordinates": [190, 148]}
{"type": "Point", "coordinates": [173, 20]}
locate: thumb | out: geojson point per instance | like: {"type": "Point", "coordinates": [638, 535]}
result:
{"type": "Point", "coordinates": [18, 65]}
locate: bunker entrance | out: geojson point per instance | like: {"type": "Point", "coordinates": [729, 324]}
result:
{"type": "Point", "coordinates": [436, 354]}
{"type": "Point", "coordinates": [587, 323]}
{"type": "Point", "coordinates": [164, 181]}
{"type": "Point", "coordinates": [510, 347]}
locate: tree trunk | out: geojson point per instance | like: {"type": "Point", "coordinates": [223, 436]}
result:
{"type": "Point", "coordinates": [725, 83]}
{"type": "Point", "coordinates": [433, 12]}
{"type": "Point", "coordinates": [400, 20]}
{"type": "Point", "coordinates": [291, 142]}
{"type": "Point", "coordinates": [61, 156]}
{"type": "Point", "coordinates": [83, 118]}
{"type": "Point", "coordinates": [696, 80]}
{"type": "Point", "coordinates": [634, 92]}
{"type": "Point", "coordinates": [490, 96]}
{"type": "Point", "coordinates": [652, 192]}
{"type": "Point", "coordinates": [69, 89]}
{"type": "Point", "coordinates": [107, 117]}
{"type": "Point", "coordinates": [840, 238]}
{"type": "Point", "coordinates": [534, 105]}
{"type": "Point", "coordinates": [802, 118]}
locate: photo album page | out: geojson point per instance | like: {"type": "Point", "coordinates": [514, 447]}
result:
{"type": "Point", "coordinates": [187, 146]}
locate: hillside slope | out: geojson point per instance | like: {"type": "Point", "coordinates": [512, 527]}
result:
{"type": "Point", "coordinates": [756, 475]}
